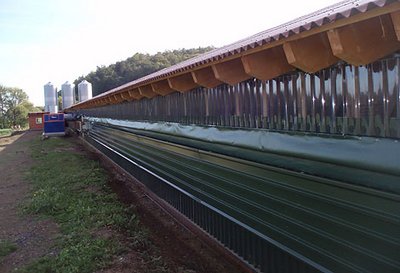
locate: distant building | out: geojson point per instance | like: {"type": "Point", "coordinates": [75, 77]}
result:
{"type": "Point", "coordinates": [36, 121]}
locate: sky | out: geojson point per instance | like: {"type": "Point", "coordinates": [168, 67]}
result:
{"type": "Point", "coordinates": [58, 41]}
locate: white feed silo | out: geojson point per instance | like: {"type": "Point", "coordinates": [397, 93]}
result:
{"type": "Point", "coordinates": [67, 93]}
{"type": "Point", "coordinates": [84, 90]}
{"type": "Point", "coordinates": [50, 98]}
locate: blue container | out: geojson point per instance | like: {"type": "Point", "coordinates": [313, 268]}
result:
{"type": "Point", "coordinates": [54, 125]}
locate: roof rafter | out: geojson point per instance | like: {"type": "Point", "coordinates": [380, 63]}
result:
{"type": "Point", "coordinates": [230, 72]}
{"type": "Point", "coordinates": [266, 64]}
{"type": "Point", "coordinates": [364, 42]}
{"type": "Point", "coordinates": [182, 83]}
{"type": "Point", "coordinates": [310, 54]}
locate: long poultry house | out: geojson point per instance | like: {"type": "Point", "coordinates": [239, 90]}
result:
{"type": "Point", "coordinates": [283, 146]}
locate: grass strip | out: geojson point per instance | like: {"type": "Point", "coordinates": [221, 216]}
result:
{"type": "Point", "coordinates": [6, 248]}
{"type": "Point", "coordinates": [72, 190]}
{"type": "Point", "coordinates": [5, 132]}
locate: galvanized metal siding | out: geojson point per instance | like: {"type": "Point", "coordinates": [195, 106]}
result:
{"type": "Point", "coordinates": [344, 99]}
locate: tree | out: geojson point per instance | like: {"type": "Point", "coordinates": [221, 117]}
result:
{"type": "Point", "coordinates": [59, 99]}
{"type": "Point", "coordinates": [14, 107]}
{"type": "Point", "coordinates": [15, 97]}
{"type": "Point", "coordinates": [19, 113]}
{"type": "Point", "coordinates": [3, 109]}
{"type": "Point", "coordinates": [135, 67]}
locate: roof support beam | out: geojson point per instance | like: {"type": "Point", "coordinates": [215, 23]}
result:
{"type": "Point", "coordinates": [134, 94]}
{"type": "Point", "coordinates": [147, 91]}
{"type": "Point", "coordinates": [119, 98]}
{"type": "Point", "coordinates": [205, 77]}
{"type": "Point", "coordinates": [182, 83]}
{"type": "Point", "coordinates": [365, 41]}
{"type": "Point", "coordinates": [396, 23]}
{"type": "Point", "coordinates": [310, 54]}
{"type": "Point", "coordinates": [162, 88]}
{"type": "Point", "coordinates": [125, 95]}
{"type": "Point", "coordinates": [230, 72]}
{"type": "Point", "coordinates": [266, 64]}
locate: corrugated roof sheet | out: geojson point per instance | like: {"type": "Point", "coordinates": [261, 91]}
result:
{"type": "Point", "coordinates": [330, 14]}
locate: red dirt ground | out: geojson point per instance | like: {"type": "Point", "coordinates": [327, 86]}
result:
{"type": "Point", "coordinates": [33, 237]}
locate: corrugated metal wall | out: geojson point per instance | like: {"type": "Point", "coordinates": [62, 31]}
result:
{"type": "Point", "coordinates": [343, 99]}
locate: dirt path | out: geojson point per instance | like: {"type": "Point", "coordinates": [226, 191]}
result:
{"type": "Point", "coordinates": [32, 237]}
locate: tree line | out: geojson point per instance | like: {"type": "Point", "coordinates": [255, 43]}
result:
{"type": "Point", "coordinates": [135, 67]}
{"type": "Point", "coordinates": [14, 107]}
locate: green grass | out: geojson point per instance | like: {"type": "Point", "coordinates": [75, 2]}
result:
{"type": "Point", "coordinates": [5, 132]}
{"type": "Point", "coordinates": [72, 190]}
{"type": "Point", "coordinates": [6, 247]}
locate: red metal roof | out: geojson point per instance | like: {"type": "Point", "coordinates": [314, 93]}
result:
{"type": "Point", "coordinates": [330, 14]}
